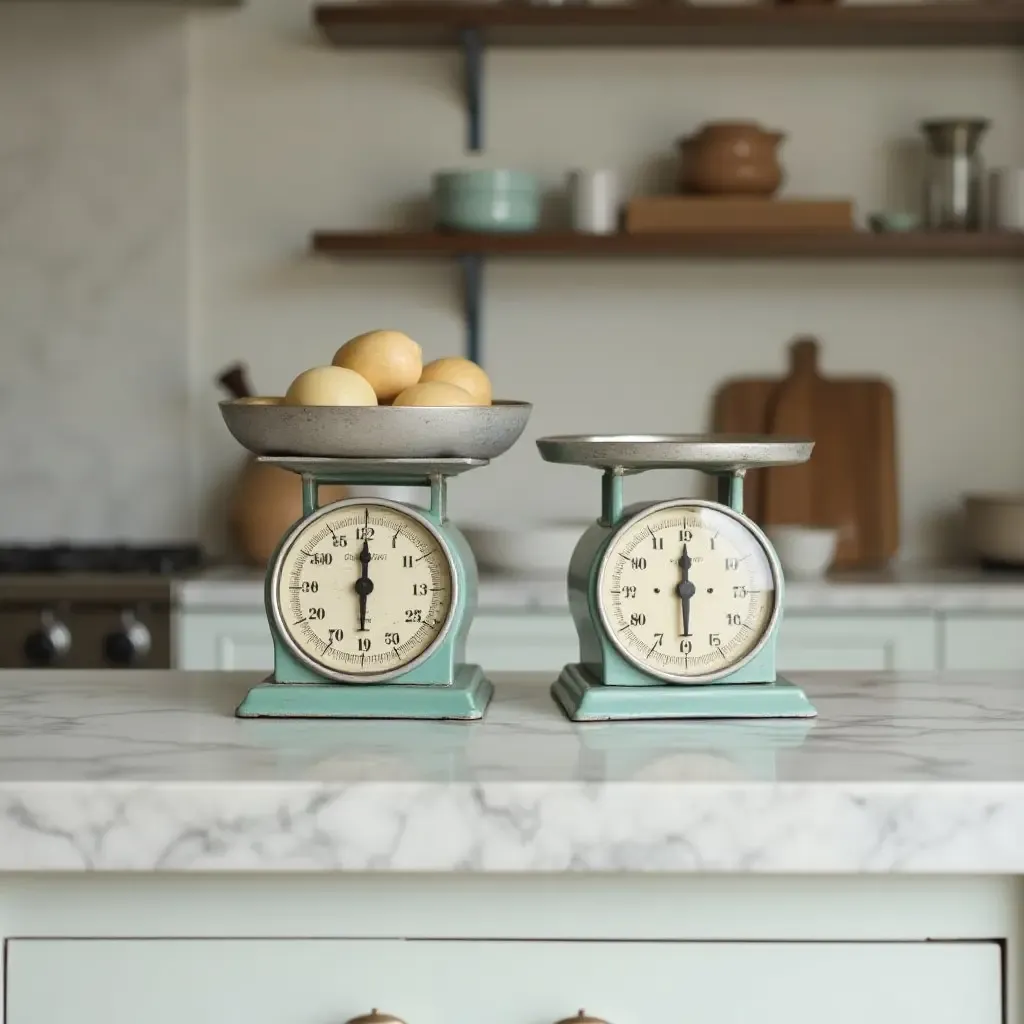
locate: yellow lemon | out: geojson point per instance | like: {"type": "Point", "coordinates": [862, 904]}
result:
{"type": "Point", "coordinates": [434, 392]}
{"type": "Point", "coordinates": [389, 360]}
{"type": "Point", "coordinates": [463, 373]}
{"type": "Point", "coordinates": [329, 385]}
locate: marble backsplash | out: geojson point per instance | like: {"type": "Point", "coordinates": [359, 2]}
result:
{"type": "Point", "coordinates": [93, 285]}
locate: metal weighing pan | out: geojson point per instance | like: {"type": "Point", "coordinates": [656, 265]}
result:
{"type": "Point", "coordinates": [377, 432]}
{"type": "Point", "coordinates": [412, 469]}
{"type": "Point", "coordinates": [712, 453]}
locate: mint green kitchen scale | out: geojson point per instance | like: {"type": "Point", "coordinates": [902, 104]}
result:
{"type": "Point", "coordinates": [677, 604]}
{"type": "Point", "coordinates": [370, 600]}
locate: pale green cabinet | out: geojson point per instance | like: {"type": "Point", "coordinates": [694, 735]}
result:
{"type": "Point", "coordinates": [228, 641]}
{"type": "Point", "coordinates": [328, 981]}
{"type": "Point", "coordinates": [236, 637]}
{"type": "Point", "coordinates": [862, 643]}
{"type": "Point", "coordinates": [543, 641]}
{"type": "Point", "coordinates": [522, 642]}
{"type": "Point", "coordinates": [975, 642]}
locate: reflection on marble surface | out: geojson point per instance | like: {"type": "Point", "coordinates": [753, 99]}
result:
{"type": "Point", "coordinates": [150, 771]}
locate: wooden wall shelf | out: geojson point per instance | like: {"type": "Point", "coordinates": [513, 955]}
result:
{"type": "Point", "coordinates": [472, 249]}
{"type": "Point", "coordinates": [742, 245]}
{"type": "Point", "coordinates": [425, 24]}
{"type": "Point", "coordinates": [472, 27]}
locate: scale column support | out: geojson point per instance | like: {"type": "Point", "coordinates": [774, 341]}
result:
{"type": "Point", "coordinates": [730, 489]}
{"type": "Point", "coordinates": [438, 497]}
{"type": "Point", "coordinates": [611, 495]}
{"type": "Point", "coordinates": [473, 83]}
{"type": "Point", "coordinates": [472, 264]}
{"type": "Point", "coordinates": [310, 494]}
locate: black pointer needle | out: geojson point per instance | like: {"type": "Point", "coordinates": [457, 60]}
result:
{"type": "Point", "coordinates": [364, 585]}
{"type": "Point", "coordinates": [685, 590]}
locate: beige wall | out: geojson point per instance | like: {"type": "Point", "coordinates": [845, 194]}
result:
{"type": "Point", "coordinates": [288, 135]}
{"type": "Point", "coordinates": [93, 387]}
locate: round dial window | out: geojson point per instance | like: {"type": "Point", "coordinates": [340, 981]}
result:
{"type": "Point", "coordinates": [687, 591]}
{"type": "Point", "coordinates": [363, 590]}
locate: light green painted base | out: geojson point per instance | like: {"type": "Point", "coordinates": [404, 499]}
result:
{"type": "Point", "coordinates": [584, 699]}
{"type": "Point", "coordinates": [467, 698]}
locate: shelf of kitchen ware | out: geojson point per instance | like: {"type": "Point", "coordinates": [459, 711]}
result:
{"type": "Point", "coordinates": [472, 27]}
{"type": "Point", "coordinates": [472, 249]}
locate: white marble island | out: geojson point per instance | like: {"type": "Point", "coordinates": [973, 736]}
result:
{"type": "Point", "coordinates": [515, 869]}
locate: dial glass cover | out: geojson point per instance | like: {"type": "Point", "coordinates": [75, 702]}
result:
{"type": "Point", "coordinates": [686, 592]}
{"type": "Point", "coordinates": [364, 589]}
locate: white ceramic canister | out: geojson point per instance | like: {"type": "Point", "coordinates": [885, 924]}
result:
{"type": "Point", "coordinates": [594, 201]}
{"type": "Point", "coordinates": [1006, 199]}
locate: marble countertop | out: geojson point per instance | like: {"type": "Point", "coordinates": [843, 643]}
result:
{"type": "Point", "coordinates": [150, 771]}
{"type": "Point", "coordinates": [233, 588]}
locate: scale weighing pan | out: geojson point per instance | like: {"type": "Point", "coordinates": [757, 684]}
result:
{"type": "Point", "coordinates": [712, 453]}
{"type": "Point", "coordinates": [377, 431]}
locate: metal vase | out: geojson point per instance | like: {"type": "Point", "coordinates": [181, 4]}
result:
{"type": "Point", "coordinates": [954, 173]}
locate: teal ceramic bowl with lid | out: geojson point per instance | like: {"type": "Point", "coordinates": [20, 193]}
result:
{"type": "Point", "coordinates": [487, 200]}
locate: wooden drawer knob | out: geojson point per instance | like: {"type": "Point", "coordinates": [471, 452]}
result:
{"type": "Point", "coordinates": [376, 1017]}
{"type": "Point", "coordinates": [582, 1017]}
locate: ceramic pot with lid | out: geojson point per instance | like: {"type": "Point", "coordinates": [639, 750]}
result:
{"type": "Point", "coordinates": [738, 158]}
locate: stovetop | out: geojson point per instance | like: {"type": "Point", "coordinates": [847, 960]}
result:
{"type": "Point", "coordinates": [148, 560]}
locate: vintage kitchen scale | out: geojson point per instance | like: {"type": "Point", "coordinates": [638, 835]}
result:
{"type": "Point", "coordinates": [677, 603]}
{"type": "Point", "coordinates": [370, 600]}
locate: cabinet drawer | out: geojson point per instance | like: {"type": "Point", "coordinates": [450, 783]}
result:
{"type": "Point", "coordinates": [979, 643]}
{"type": "Point", "coordinates": [83, 981]}
{"type": "Point", "coordinates": [541, 642]}
{"type": "Point", "coordinates": [228, 641]}
{"type": "Point", "coordinates": [867, 643]}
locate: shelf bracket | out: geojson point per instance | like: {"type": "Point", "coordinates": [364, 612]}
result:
{"type": "Point", "coordinates": [473, 83]}
{"type": "Point", "coordinates": [472, 287]}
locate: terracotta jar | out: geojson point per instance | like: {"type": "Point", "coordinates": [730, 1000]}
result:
{"type": "Point", "coordinates": [737, 158]}
{"type": "Point", "coordinates": [266, 499]}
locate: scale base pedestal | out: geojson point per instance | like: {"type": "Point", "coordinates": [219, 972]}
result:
{"type": "Point", "coordinates": [584, 699]}
{"type": "Point", "coordinates": [466, 699]}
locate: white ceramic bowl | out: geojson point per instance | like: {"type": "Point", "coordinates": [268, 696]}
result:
{"type": "Point", "coordinates": [541, 551]}
{"type": "Point", "coordinates": [995, 527]}
{"type": "Point", "coordinates": [806, 552]}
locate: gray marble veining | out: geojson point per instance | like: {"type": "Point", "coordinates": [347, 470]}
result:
{"type": "Point", "coordinates": [151, 772]}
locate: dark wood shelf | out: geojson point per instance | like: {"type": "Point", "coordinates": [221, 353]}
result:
{"type": "Point", "coordinates": [749, 245]}
{"type": "Point", "coordinates": [472, 250]}
{"type": "Point", "coordinates": [427, 24]}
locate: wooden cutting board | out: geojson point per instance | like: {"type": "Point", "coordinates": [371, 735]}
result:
{"type": "Point", "coordinates": [850, 480]}
{"type": "Point", "coordinates": [741, 407]}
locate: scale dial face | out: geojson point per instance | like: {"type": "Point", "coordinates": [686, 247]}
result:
{"type": "Point", "coordinates": [686, 591]}
{"type": "Point", "coordinates": [363, 590]}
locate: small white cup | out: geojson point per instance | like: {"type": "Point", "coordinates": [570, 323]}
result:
{"type": "Point", "coordinates": [594, 201]}
{"type": "Point", "coordinates": [1006, 199]}
{"type": "Point", "coordinates": [806, 552]}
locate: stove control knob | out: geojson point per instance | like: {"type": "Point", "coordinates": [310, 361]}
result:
{"type": "Point", "coordinates": [50, 643]}
{"type": "Point", "coordinates": [127, 645]}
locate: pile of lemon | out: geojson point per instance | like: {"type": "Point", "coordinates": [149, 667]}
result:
{"type": "Point", "coordinates": [386, 368]}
